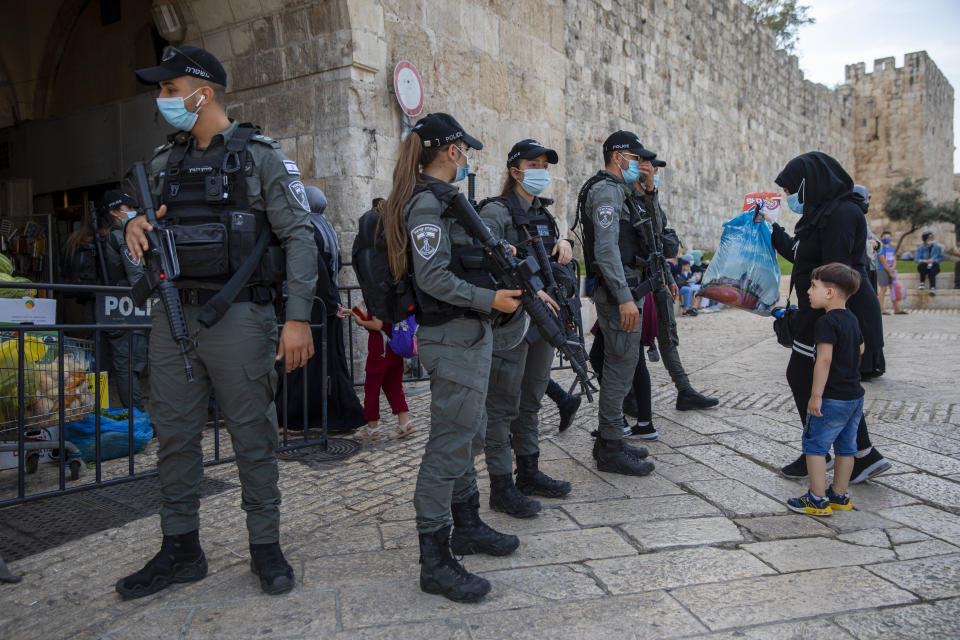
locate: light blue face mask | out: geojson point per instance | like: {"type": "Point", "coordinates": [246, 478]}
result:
{"type": "Point", "coordinates": [535, 181]}
{"type": "Point", "coordinates": [793, 200]}
{"type": "Point", "coordinates": [462, 171]}
{"type": "Point", "coordinates": [632, 172]}
{"type": "Point", "coordinates": [656, 180]}
{"type": "Point", "coordinates": [131, 214]}
{"type": "Point", "coordinates": [175, 112]}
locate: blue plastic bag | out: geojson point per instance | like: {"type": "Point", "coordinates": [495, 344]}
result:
{"type": "Point", "coordinates": [113, 434]}
{"type": "Point", "coordinates": [744, 272]}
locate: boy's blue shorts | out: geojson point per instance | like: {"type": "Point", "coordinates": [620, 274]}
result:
{"type": "Point", "coordinates": [837, 427]}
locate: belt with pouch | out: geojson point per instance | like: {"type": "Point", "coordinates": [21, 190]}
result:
{"type": "Point", "coordinates": [200, 297]}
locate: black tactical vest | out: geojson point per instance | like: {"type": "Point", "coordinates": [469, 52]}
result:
{"type": "Point", "coordinates": [214, 227]}
{"type": "Point", "coordinates": [629, 241]}
{"type": "Point", "coordinates": [467, 262]}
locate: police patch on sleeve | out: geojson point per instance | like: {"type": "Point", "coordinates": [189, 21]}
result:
{"type": "Point", "coordinates": [291, 167]}
{"type": "Point", "coordinates": [129, 257]}
{"type": "Point", "coordinates": [299, 194]}
{"type": "Point", "coordinates": [426, 239]}
{"type": "Point", "coordinates": [605, 216]}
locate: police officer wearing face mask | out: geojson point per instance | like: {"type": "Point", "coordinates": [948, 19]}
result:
{"type": "Point", "coordinates": [520, 369]}
{"type": "Point", "coordinates": [611, 249]}
{"type": "Point", "coordinates": [455, 297]}
{"type": "Point", "coordinates": [223, 187]}
{"type": "Point", "coordinates": [128, 349]}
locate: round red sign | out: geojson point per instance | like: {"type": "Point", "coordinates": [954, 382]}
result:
{"type": "Point", "coordinates": [408, 87]}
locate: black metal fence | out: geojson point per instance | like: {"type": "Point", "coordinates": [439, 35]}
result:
{"type": "Point", "coordinates": [15, 430]}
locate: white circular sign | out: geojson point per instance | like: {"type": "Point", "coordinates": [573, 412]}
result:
{"type": "Point", "coordinates": [408, 87]}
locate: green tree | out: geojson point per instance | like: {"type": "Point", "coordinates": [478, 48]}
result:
{"type": "Point", "coordinates": [950, 212]}
{"type": "Point", "coordinates": [785, 17]}
{"type": "Point", "coordinates": [906, 203]}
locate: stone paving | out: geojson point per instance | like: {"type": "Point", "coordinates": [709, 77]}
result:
{"type": "Point", "coordinates": [702, 548]}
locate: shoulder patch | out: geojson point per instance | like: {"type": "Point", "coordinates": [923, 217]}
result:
{"type": "Point", "coordinates": [426, 239]}
{"type": "Point", "coordinates": [605, 216]}
{"type": "Point", "coordinates": [291, 167]}
{"type": "Point", "coordinates": [299, 193]}
{"type": "Point", "coordinates": [129, 257]}
{"type": "Point", "coordinates": [267, 140]}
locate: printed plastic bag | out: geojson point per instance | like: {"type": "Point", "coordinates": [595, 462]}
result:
{"type": "Point", "coordinates": [113, 434]}
{"type": "Point", "coordinates": [744, 272]}
{"type": "Point", "coordinates": [898, 292]}
{"type": "Point", "coordinates": [404, 338]}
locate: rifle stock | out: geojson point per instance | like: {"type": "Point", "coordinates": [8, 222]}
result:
{"type": "Point", "coordinates": [162, 268]}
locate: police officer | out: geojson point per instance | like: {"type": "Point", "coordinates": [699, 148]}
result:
{"type": "Point", "coordinates": [219, 182]}
{"type": "Point", "coordinates": [455, 296]}
{"type": "Point", "coordinates": [520, 369]}
{"type": "Point", "coordinates": [611, 248]}
{"type": "Point", "coordinates": [667, 339]}
{"type": "Point", "coordinates": [128, 349]}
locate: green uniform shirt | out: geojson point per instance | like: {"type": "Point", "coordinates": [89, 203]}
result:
{"type": "Point", "coordinates": [273, 186]}
{"type": "Point", "coordinates": [432, 237]}
{"type": "Point", "coordinates": [606, 203]}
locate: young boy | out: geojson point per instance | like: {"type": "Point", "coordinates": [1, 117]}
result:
{"type": "Point", "coordinates": [836, 398]}
{"type": "Point", "coordinates": [887, 271]}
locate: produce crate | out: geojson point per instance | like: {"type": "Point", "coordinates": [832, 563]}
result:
{"type": "Point", "coordinates": [40, 373]}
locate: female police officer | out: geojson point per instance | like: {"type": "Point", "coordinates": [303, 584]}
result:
{"type": "Point", "coordinates": [520, 369]}
{"type": "Point", "coordinates": [454, 299]}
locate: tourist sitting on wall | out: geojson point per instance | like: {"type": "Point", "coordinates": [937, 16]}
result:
{"type": "Point", "coordinates": [928, 258]}
{"type": "Point", "coordinates": [686, 279]}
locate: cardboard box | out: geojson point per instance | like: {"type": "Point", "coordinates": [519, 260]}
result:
{"type": "Point", "coordinates": [28, 311]}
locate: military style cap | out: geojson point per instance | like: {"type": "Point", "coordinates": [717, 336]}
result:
{"type": "Point", "coordinates": [528, 149]}
{"type": "Point", "coordinates": [627, 140]}
{"type": "Point", "coordinates": [114, 199]}
{"type": "Point", "coordinates": [438, 129]}
{"type": "Point", "coordinates": [658, 163]}
{"type": "Point", "coordinates": [185, 61]}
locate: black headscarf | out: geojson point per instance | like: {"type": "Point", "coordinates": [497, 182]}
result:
{"type": "Point", "coordinates": [823, 182]}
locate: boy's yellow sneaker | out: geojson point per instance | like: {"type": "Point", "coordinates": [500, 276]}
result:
{"type": "Point", "coordinates": [810, 505]}
{"type": "Point", "coordinates": [838, 502]}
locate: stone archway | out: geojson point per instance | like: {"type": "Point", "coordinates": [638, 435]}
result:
{"type": "Point", "coordinates": [57, 41]}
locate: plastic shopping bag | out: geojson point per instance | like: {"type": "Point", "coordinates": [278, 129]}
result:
{"type": "Point", "coordinates": [898, 292]}
{"type": "Point", "coordinates": [744, 272]}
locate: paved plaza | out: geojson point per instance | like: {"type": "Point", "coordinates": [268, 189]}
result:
{"type": "Point", "coordinates": [703, 548]}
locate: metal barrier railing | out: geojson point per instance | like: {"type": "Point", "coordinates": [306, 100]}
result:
{"type": "Point", "coordinates": [67, 454]}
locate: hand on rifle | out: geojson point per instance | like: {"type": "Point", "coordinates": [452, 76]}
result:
{"type": "Point", "coordinates": [543, 295]}
{"type": "Point", "coordinates": [507, 300]}
{"type": "Point", "coordinates": [563, 251]}
{"type": "Point", "coordinates": [135, 233]}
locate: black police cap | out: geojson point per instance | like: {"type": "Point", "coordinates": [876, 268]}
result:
{"type": "Point", "coordinates": [527, 149]}
{"type": "Point", "coordinates": [185, 61]}
{"type": "Point", "coordinates": [627, 141]}
{"type": "Point", "coordinates": [438, 129]}
{"type": "Point", "coordinates": [114, 199]}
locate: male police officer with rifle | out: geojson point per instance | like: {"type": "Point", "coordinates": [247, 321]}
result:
{"type": "Point", "coordinates": [234, 205]}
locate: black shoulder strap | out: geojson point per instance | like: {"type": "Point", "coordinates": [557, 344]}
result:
{"type": "Point", "coordinates": [235, 145]}
{"type": "Point", "coordinates": [181, 142]}
{"type": "Point", "coordinates": [582, 196]}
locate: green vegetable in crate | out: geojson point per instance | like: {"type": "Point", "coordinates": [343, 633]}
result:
{"type": "Point", "coordinates": [34, 350]}
{"type": "Point", "coordinates": [6, 265]}
{"type": "Point", "coordinates": [15, 293]}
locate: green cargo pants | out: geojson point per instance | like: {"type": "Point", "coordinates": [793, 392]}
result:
{"type": "Point", "coordinates": [457, 355]}
{"type": "Point", "coordinates": [536, 376]}
{"type": "Point", "coordinates": [503, 405]}
{"type": "Point", "coordinates": [668, 340]}
{"type": "Point", "coordinates": [234, 358]}
{"type": "Point", "coordinates": [621, 353]}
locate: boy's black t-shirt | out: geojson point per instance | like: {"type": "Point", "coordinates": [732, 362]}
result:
{"type": "Point", "coordinates": [841, 329]}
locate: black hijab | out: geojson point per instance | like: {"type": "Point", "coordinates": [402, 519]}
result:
{"type": "Point", "coordinates": [819, 181]}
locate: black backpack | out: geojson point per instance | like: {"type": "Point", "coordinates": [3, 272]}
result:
{"type": "Point", "coordinates": [388, 300]}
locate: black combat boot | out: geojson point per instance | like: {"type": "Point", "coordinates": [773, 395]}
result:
{"type": "Point", "coordinates": [472, 535]}
{"type": "Point", "coordinates": [505, 498]}
{"type": "Point", "coordinates": [612, 457]}
{"type": "Point", "coordinates": [689, 399]}
{"type": "Point", "coordinates": [637, 452]}
{"type": "Point", "coordinates": [533, 482]}
{"type": "Point", "coordinates": [567, 404]}
{"type": "Point", "coordinates": [441, 574]}
{"type": "Point", "coordinates": [180, 559]}
{"type": "Point", "coordinates": [267, 562]}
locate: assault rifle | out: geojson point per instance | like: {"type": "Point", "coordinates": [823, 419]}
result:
{"type": "Point", "coordinates": [525, 276]}
{"type": "Point", "coordinates": [655, 263]}
{"type": "Point", "coordinates": [162, 268]}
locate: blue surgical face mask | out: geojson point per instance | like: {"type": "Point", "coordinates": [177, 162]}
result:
{"type": "Point", "coordinates": [886, 240]}
{"type": "Point", "coordinates": [462, 171]}
{"type": "Point", "coordinates": [793, 201]}
{"type": "Point", "coordinates": [632, 172]}
{"type": "Point", "coordinates": [175, 112]}
{"type": "Point", "coordinates": [535, 181]}
{"type": "Point", "coordinates": [656, 180]}
{"type": "Point", "coordinates": [131, 214]}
